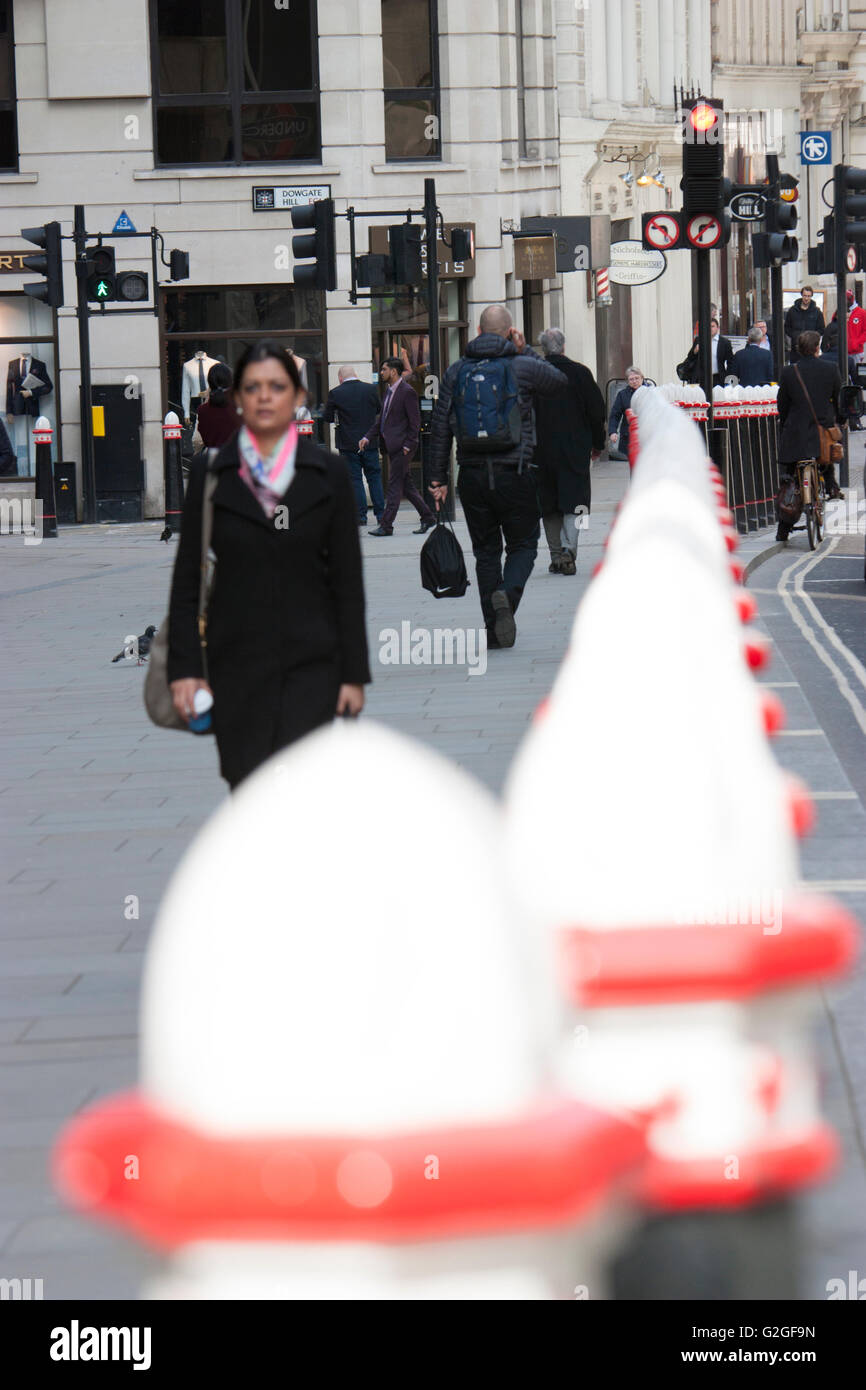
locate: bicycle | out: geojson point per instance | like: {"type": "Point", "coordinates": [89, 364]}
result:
{"type": "Point", "coordinates": [810, 485]}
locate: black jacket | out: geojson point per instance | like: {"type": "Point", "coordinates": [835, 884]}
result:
{"type": "Point", "coordinates": [8, 461]}
{"type": "Point", "coordinates": [534, 377]}
{"type": "Point", "coordinates": [799, 320]}
{"type": "Point", "coordinates": [799, 433]}
{"type": "Point", "coordinates": [724, 361]}
{"type": "Point", "coordinates": [16, 404]}
{"type": "Point", "coordinates": [283, 597]}
{"type": "Point", "coordinates": [355, 405]}
{"type": "Point", "coordinates": [618, 422]}
{"type": "Point", "coordinates": [753, 366]}
{"type": "Point", "coordinates": [568, 429]}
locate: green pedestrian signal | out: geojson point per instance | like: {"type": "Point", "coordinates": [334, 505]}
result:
{"type": "Point", "coordinates": [101, 281]}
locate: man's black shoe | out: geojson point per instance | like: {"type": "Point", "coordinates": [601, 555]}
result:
{"type": "Point", "coordinates": [504, 626]}
{"type": "Point", "coordinates": [380, 531]}
{"type": "Point", "coordinates": [781, 535]}
{"type": "Point", "coordinates": [424, 527]}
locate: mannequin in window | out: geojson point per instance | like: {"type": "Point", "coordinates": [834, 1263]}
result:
{"type": "Point", "coordinates": [194, 385]}
{"type": "Point", "coordinates": [23, 403]}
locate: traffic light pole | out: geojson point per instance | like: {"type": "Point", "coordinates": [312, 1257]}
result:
{"type": "Point", "coordinates": [777, 325]}
{"type": "Point", "coordinates": [88, 471]}
{"type": "Point", "coordinates": [705, 338]}
{"type": "Point", "coordinates": [431, 227]}
{"type": "Point", "coordinates": [841, 269]}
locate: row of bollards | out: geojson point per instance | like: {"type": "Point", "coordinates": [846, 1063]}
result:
{"type": "Point", "coordinates": [583, 1069]}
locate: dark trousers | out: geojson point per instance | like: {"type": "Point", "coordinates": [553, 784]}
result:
{"type": "Point", "coordinates": [366, 465]}
{"type": "Point", "coordinates": [302, 699]}
{"type": "Point", "coordinates": [509, 511]}
{"type": "Point", "coordinates": [400, 485]}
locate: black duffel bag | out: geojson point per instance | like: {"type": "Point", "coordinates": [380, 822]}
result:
{"type": "Point", "coordinates": [443, 569]}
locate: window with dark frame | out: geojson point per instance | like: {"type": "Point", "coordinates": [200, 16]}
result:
{"type": "Point", "coordinates": [235, 82]}
{"type": "Point", "coordinates": [8, 115]}
{"type": "Point", "coordinates": [410, 53]}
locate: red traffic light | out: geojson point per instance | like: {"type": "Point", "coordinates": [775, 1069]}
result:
{"type": "Point", "coordinates": [703, 116]}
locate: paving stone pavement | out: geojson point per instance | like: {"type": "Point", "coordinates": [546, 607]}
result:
{"type": "Point", "coordinates": [97, 807]}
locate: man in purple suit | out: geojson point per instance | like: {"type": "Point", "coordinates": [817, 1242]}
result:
{"type": "Point", "coordinates": [398, 424]}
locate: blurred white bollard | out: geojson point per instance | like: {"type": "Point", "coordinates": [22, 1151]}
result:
{"type": "Point", "coordinates": [346, 1080]}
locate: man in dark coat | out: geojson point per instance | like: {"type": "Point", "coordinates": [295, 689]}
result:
{"type": "Point", "coordinates": [810, 379]}
{"type": "Point", "coordinates": [497, 490]}
{"type": "Point", "coordinates": [570, 432]}
{"type": "Point", "coordinates": [804, 316]}
{"type": "Point", "coordinates": [618, 426]}
{"type": "Point", "coordinates": [723, 356]}
{"type": "Point", "coordinates": [753, 365]}
{"type": "Point", "coordinates": [398, 424]}
{"type": "Point", "coordinates": [285, 623]}
{"type": "Point", "coordinates": [26, 401]}
{"type": "Point", "coordinates": [355, 404]}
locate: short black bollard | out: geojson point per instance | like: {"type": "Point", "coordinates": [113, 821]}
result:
{"type": "Point", "coordinates": [173, 475]}
{"type": "Point", "coordinates": [42, 434]}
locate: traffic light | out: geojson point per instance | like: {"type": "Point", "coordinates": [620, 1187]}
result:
{"type": "Point", "coordinates": [406, 263]}
{"type": "Point", "coordinates": [131, 285]}
{"type": "Point", "coordinates": [780, 221]}
{"type": "Point", "coordinates": [849, 206]}
{"type": "Point", "coordinates": [821, 258]}
{"type": "Point", "coordinates": [101, 280]}
{"type": "Point", "coordinates": [373, 270]}
{"type": "Point", "coordinates": [321, 244]}
{"type": "Point", "coordinates": [49, 264]}
{"type": "Point", "coordinates": [462, 244]}
{"type": "Point", "coordinates": [706, 191]}
{"type": "Point", "coordinates": [178, 265]}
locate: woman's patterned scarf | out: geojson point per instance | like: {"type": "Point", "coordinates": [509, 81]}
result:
{"type": "Point", "coordinates": [268, 479]}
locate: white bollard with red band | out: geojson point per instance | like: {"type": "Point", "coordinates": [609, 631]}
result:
{"type": "Point", "coordinates": [42, 436]}
{"type": "Point", "coordinates": [348, 1094]}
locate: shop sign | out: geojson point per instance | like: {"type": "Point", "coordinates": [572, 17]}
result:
{"type": "Point", "coordinates": [12, 263]}
{"type": "Point", "coordinates": [630, 264]}
{"type": "Point", "coordinates": [448, 269]}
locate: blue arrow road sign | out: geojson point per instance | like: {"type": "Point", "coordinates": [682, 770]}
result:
{"type": "Point", "coordinates": [123, 224]}
{"type": "Point", "coordinates": [816, 146]}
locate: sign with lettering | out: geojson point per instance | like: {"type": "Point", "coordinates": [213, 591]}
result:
{"type": "Point", "coordinates": [448, 269]}
{"type": "Point", "coordinates": [582, 243]}
{"type": "Point", "coordinates": [280, 197]}
{"type": "Point", "coordinates": [534, 258]}
{"type": "Point", "coordinates": [11, 263]}
{"type": "Point", "coordinates": [630, 264]}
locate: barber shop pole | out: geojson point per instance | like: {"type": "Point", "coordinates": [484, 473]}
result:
{"type": "Point", "coordinates": [602, 286]}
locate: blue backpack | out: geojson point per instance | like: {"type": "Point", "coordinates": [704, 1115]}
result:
{"type": "Point", "coordinates": [485, 407]}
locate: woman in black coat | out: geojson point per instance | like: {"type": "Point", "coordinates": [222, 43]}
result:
{"type": "Point", "coordinates": [570, 430]}
{"type": "Point", "coordinates": [799, 437]}
{"type": "Point", "coordinates": [286, 642]}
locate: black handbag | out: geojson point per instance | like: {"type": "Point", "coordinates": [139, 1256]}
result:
{"type": "Point", "coordinates": [443, 569]}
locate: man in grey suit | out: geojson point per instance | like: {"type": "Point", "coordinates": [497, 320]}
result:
{"type": "Point", "coordinates": [398, 424]}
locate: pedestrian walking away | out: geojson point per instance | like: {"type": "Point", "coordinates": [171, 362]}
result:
{"type": "Point", "coordinates": [753, 364]}
{"type": "Point", "coordinates": [804, 316]}
{"type": "Point", "coordinates": [618, 425]}
{"type": "Point", "coordinates": [486, 403]}
{"type": "Point", "coordinates": [217, 420]}
{"type": "Point", "coordinates": [354, 404]}
{"type": "Point", "coordinates": [809, 393]}
{"type": "Point", "coordinates": [286, 643]}
{"type": "Point", "coordinates": [570, 432]}
{"type": "Point", "coordinates": [398, 425]}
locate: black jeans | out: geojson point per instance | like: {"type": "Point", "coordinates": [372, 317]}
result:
{"type": "Point", "coordinates": [509, 511]}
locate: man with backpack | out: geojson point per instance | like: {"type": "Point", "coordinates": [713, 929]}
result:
{"type": "Point", "coordinates": [485, 403]}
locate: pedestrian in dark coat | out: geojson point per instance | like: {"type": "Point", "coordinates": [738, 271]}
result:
{"type": "Point", "coordinates": [723, 356]}
{"type": "Point", "coordinates": [286, 644]}
{"type": "Point", "coordinates": [809, 379]}
{"type": "Point", "coordinates": [804, 316]}
{"type": "Point", "coordinates": [398, 425]}
{"type": "Point", "coordinates": [570, 430]}
{"type": "Point", "coordinates": [618, 426]}
{"type": "Point", "coordinates": [753, 364]}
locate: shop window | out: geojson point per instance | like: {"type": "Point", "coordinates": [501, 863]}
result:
{"type": "Point", "coordinates": [223, 322]}
{"type": "Point", "coordinates": [8, 121]}
{"type": "Point", "coordinates": [401, 329]}
{"type": "Point", "coordinates": [27, 330]}
{"type": "Point", "coordinates": [235, 81]}
{"type": "Point", "coordinates": [410, 45]}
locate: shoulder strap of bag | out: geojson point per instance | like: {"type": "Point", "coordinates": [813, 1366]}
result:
{"type": "Point", "coordinates": [210, 483]}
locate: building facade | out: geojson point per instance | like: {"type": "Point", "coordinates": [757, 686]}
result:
{"type": "Point", "coordinates": [175, 113]}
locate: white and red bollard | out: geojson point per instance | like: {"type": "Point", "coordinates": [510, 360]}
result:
{"type": "Point", "coordinates": [347, 1093]}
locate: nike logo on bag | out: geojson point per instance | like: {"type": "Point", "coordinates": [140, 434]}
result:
{"type": "Point", "coordinates": [443, 588]}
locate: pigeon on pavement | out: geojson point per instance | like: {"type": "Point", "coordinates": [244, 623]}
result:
{"type": "Point", "coordinates": [144, 642]}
